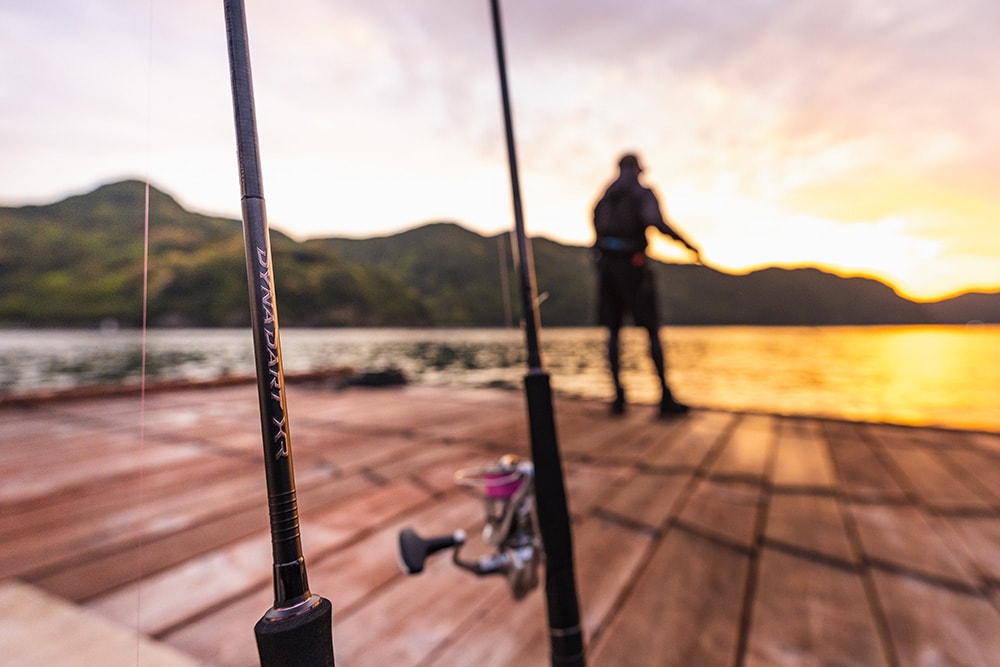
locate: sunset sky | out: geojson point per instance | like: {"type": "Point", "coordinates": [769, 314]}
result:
{"type": "Point", "coordinates": [858, 136]}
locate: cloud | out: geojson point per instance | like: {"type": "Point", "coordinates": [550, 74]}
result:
{"type": "Point", "coordinates": [374, 116]}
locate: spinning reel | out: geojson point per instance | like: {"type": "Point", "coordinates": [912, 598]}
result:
{"type": "Point", "coordinates": [508, 488]}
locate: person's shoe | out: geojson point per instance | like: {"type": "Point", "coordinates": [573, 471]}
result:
{"type": "Point", "coordinates": [618, 405]}
{"type": "Point", "coordinates": [669, 407]}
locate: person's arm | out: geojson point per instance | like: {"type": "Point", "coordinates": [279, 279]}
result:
{"type": "Point", "coordinates": [652, 216]}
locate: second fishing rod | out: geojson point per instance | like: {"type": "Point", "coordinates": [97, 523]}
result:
{"type": "Point", "coordinates": [565, 634]}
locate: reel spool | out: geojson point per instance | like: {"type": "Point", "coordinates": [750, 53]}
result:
{"type": "Point", "coordinates": [508, 489]}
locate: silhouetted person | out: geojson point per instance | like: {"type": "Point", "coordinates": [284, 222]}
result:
{"type": "Point", "coordinates": [626, 284]}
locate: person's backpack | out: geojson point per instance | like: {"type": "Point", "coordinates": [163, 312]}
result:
{"type": "Point", "coordinates": [617, 215]}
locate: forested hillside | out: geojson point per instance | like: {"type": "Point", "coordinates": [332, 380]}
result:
{"type": "Point", "coordinates": [79, 262]}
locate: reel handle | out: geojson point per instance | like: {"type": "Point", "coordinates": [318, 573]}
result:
{"type": "Point", "coordinates": [414, 550]}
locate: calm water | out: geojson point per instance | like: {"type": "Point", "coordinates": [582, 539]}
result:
{"type": "Point", "coordinates": [947, 376]}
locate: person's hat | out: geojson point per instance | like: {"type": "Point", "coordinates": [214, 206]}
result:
{"type": "Point", "coordinates": [630, 161]}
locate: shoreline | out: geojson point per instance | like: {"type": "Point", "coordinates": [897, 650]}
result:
{"type": "Point", "coordinates": [343, 377]}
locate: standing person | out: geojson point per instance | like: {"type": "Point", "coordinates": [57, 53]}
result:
{"type": "Point", "coordinates": [626, 284]}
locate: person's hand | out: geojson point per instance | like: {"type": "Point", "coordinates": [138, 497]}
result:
{"type": "Point", "coordinates": [697, 254]}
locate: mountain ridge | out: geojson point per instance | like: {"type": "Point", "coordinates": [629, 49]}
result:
{"type": "Point", "coordinates": [78, 262]}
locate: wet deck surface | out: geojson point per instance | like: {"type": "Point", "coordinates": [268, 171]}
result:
{"type": "Point", "coordinates": [716, 539]}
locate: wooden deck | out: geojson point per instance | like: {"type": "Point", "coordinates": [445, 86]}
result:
{"type": "Point", "coordinates": [715, 539]}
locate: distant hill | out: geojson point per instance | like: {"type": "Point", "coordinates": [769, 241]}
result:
{"type": "Point", "coordinates": [78, 262]}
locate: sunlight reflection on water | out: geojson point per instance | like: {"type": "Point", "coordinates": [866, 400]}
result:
{"type": "Point", "coordinates": [914, 375]}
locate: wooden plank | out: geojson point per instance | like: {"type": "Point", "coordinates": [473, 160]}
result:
{"type": "Point", "coordinates": [980, 537]}
{"type": "Point", "coordinates": [613, 554]}
{"type": "Point", "coordinates": [403, 410]}
{"type": "Point", "coordinates": [97, 573]}
{"type": "Point", "coordinates": [934, 483]}
{"type": "Point", "coordinates": [94, 500]}
{"type": "Point", "coordinates": [362, 511]}
{"type": "Point", "coordinates": [587, 485]}
{"type": "Point", "coordinates": [506, 633]}
{"type": "Point", "coordinates": [199, 583]}
{"type": "Point", "coordinates": [361, 478]}
{"type": "Point", "coordinates": [628, 448]}
{"type": "Point", "coordinates": [27, 424]}
{"type": "Point", "coordinates": [988, 442]}
{"type": "Point", "coordinates": [349, 577]}
{"type": "Point", "coordinates": [688, 446]}
{"type": "Point", "coordinates": [748, 449]}
{"type": "Point", "coordinates": [100, 571]}
{"type": "Point", "coordinates": [809, 613]}
{"type": "Point", "coordinates": [608, 558]}
{"type": "Point", "coordinates": [933, 625]}
{"type": "Point", "coordinates": [439, 474]}
{"type": "Point", "coordinates": [39, 629]}
{"type": "Point", "coordinates": [589, 436]}
{"type": "Point", "coordinates": [810, 523]}
{"type": "Point", "coordinates": [978, 470]}
{"type": "Point", "coordinates": [430, 454]}
{"type": "Point", "coordinates": [55, 438]}
{"type": "Point", "coordinates": [348, 452]}
{"type": "Point", "coordinates": [684, 608]}
{"type": "Point", "coordinates": [725, 510]}
{"type": "Point", "coordinates": [498, 424]}
{"type": "Point", "coordinates": [862, 474]}
{"type": "Point", "coordinates": [72, 541]}
{"type": "Point", "coordinates": [405, 621]}
{"type": "Point", "coordinates": [803, 461]}
{"type": "Point", "coordinates": [901, 537]}
{"type": "Point", "coordinates": [26, 483]}
{"type": "Point", "coordinates": [648, 499]}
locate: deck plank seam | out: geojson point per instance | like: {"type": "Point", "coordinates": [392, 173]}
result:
{"type": "Point", "coordinates": [373, 476]}
{"type": "Point", "coordinates": [928, 578]}
{"type": "Point", "coordinates": [78, 511]}
{"type": "Point", "coordinates": [856, 545]}
{"type": "Point", "coordinates": [947, 532]}
{"type": "Point", "coordinates": [83, 487]}
{"type": "Point", "coordinates": [416, 480]}
{"type": "Point", "coordinates": [655, 469]}
{"type": "Point", "coordinates": [680, 501]}
{"type": "Point", "coordinates": [970, 481]}
{"type": "Point", "coordinates": [315, 557]}
{"type": "Point", "coordinates": [163, 438]}
{"type": "Point", "coordinates": [628, 523]}
{"type": "Point", "coordinates": [910, 489]}
{"type": "Point", "coordinates": [936, 506]}
{"type": "Point", "coordinates": [760, 529]}
{"type": "Point", "coordinates": [903, 481]}
{"type": "Point", "coordinates": [251, 588]}
{"type": "Point", "coordinates": [123, 543]}
{"type": "Point", "coordinates": [458, 633]}
{"type": "Point", "coordinates": [962, 512]}
{"type": "Point", "coordinates": [718, 539]}
{"type": "Point", "coordinates": [812, 490]}
{"type": "Point", "coordinates": [868, 500]}
{"type": "Point", "coordinates": [811, 555]}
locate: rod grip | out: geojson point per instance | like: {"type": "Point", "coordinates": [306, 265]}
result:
{"type": "Point", "coordinates": [304, 639]}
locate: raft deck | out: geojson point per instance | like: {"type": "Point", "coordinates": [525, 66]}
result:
{"type": "Point", "coordinates": [714, 539]}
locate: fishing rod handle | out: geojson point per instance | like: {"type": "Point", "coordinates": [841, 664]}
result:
{"type": "Point", "coordinates": [302, 639]}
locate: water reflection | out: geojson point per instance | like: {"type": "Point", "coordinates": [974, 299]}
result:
{"type": "Point", "coordinates": [916, 375]}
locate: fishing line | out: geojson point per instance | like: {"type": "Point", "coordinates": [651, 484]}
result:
{"type": "Point", "coordinates": [143, 345]}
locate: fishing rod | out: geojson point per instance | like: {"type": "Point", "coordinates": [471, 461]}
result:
{"type": "Point", "coordinates": [296, 630]}
{"type": "Point", "coordinates": [518, 494]}
{"type": "Point", "coordinates": [565, 634]}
